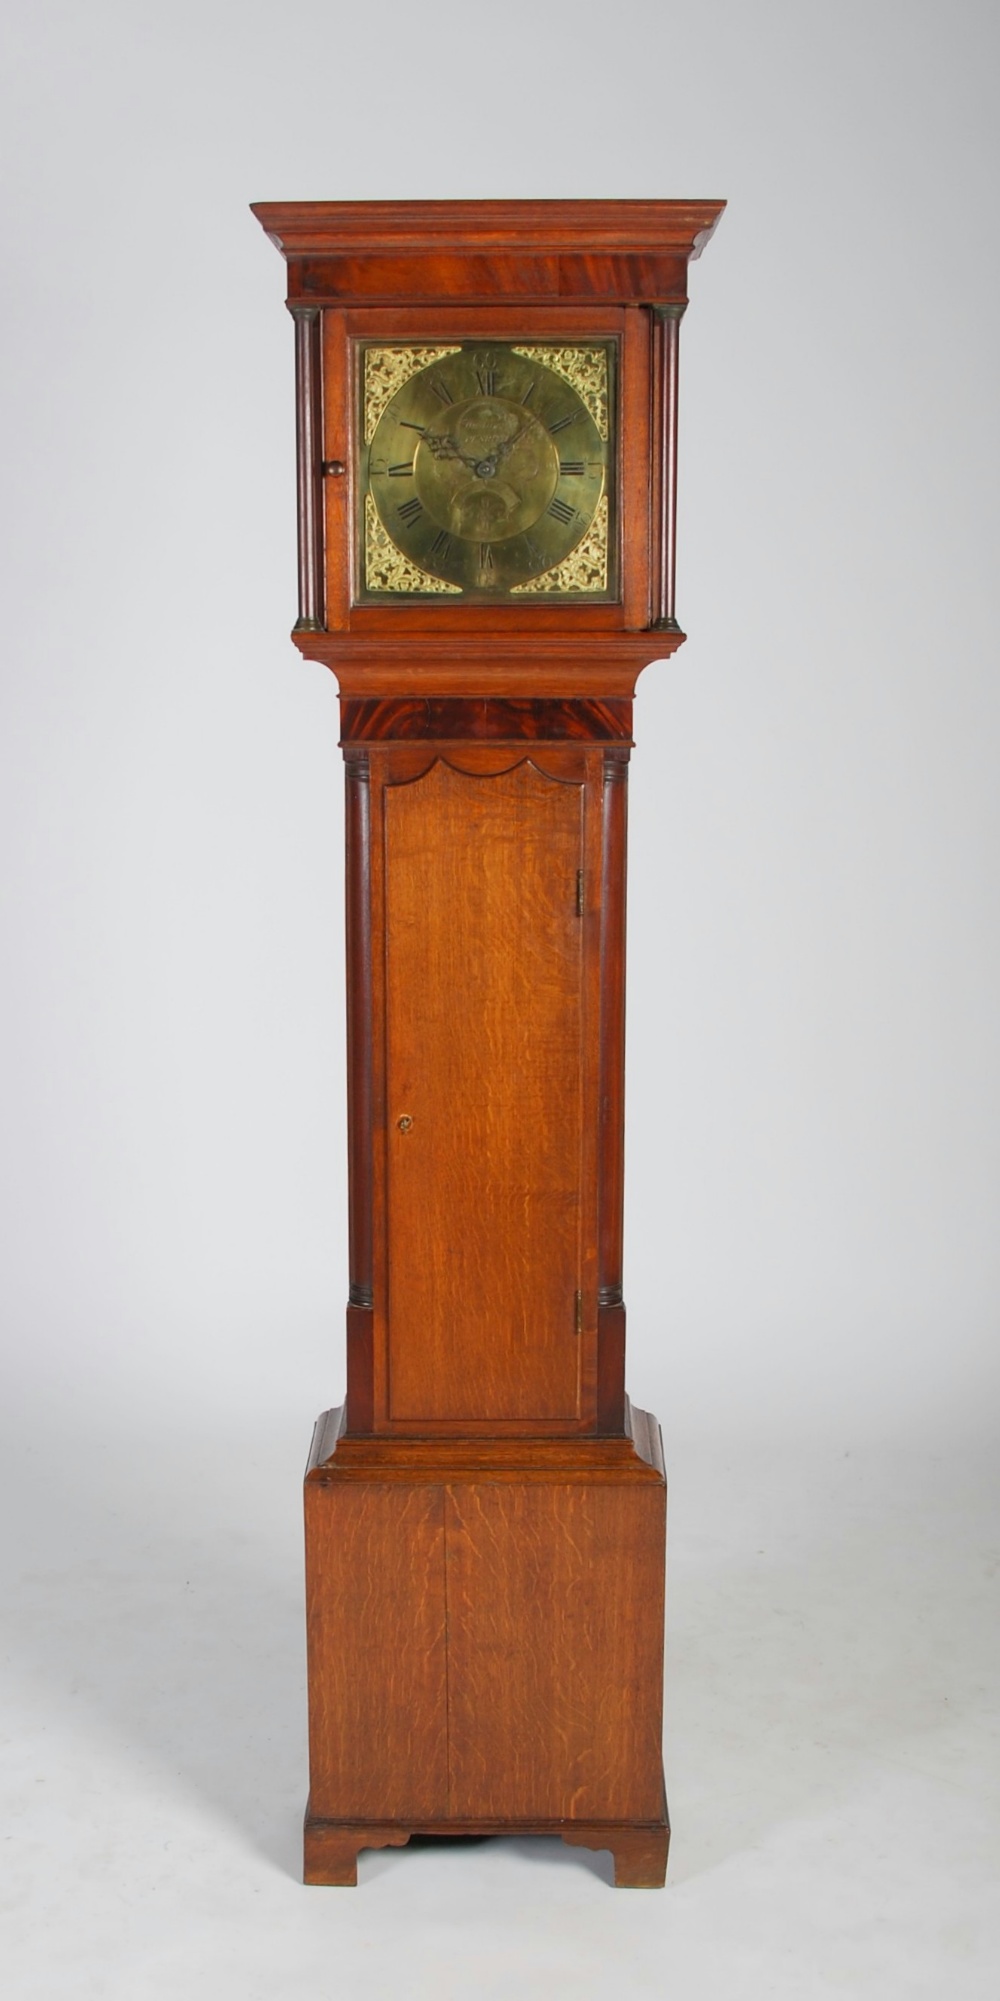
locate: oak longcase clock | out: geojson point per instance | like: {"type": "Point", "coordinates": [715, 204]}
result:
{"type": "Point", "coordinates": [486, 407]}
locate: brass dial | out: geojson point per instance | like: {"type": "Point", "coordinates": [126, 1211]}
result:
{"type": "Point", "coordinates": [486, 468]}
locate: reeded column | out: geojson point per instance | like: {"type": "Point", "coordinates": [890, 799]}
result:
{"type": "Point", "coordinates": [308, 439]}
{"type": "Point", "coordinates": [666, 351]}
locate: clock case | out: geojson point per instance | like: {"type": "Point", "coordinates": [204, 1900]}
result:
{"type": "Point", "coordinates": [486, 1500]}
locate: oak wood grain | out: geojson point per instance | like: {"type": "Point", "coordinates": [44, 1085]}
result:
{"type": "Point", "coordinates": [639, 1849]}
{"type": "Point", "coordinates": [375, 1610]}
{"type": "Point", "coordinates": [634, 1455]}
{"type": "Point", "coordinates": [555, 1635]}
{"type": "Point", "coordinates": [485, 1068]}
{"type": "Point", "coordinates": [485, 1643]}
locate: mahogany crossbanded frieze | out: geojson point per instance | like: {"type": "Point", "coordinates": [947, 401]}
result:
{"type": "Point", "coordinates": [402, 719]}
{"type": "Point", "coordinates": [372, 279]}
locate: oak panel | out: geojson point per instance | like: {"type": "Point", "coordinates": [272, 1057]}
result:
{"type": "Point", "coordinates": [484, 984]}
{"type": "Point", "coordinates": [555, 1638]}
{"type": "Point", "coordinates": [376, 1644]}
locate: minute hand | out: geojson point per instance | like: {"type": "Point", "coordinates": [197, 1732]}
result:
{"type": "Point", "coordinates": [506, 445]}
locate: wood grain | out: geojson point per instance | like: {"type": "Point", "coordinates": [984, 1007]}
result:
{"type": "Point", "coordinates": [639, 1850]}
{"type": "Point", "coordinates": [633, 1456]}
{"type": "Point", "coordinates": [582, 249]}
{"type": "Point", "coordinates": [485, 1644]}
{"type": "Point", "coordinates": [484, 1024]}
{"type": "Point", "coordinates": [308, 394]}
{"type": "Point", "coordinates": [337, 486]}
{"type": "Point", "coordinates": [534, 664]}
{"type": "Point", "coordinates": [375, 1608]}
{"type": "Point", "coordinates": [555, 1635]}
{"type": "Point", "coordinates": [424, 719]}
{"type": "Point", "coordinates": [358, 942]}
{"type": "Point", "coordinates": [666, 353]}
{"type": "Point", "coordinates": [485, 1519]}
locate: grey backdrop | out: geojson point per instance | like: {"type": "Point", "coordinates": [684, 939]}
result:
{"type": "Point", "coordinates": [812, 1236]}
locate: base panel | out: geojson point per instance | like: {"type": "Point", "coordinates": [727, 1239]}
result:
{"type": "Point", "coordinates": [639, 1848]}
{"type": "Point", "coordinates": [485, 1639]}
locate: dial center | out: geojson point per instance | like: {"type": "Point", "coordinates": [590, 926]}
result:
{"type": "Point", "coordinates": [486, 469]}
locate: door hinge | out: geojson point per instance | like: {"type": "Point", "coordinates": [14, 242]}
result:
{"type": "Point", "coordinates": [579, 892]}
{"type": "Point", "coordinates": [578, 1312]}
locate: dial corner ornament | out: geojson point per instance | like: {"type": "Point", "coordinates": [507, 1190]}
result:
{"type": "Point", "coordinates": [485, 470]}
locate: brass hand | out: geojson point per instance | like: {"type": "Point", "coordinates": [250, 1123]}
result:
{"type": "Point", "coordinates": [506, 445]}
{"type": "Point", "coordinates": [444, 447]}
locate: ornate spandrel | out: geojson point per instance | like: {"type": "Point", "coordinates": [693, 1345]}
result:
{"type": "Point", "coordinates": [586, 371]}
{"type": "Point", "coordinates": [586, 566]}
{"type": "Point", "coordinates": [386, 370]}
{"type": "Point", "coordinates": [386, 567]}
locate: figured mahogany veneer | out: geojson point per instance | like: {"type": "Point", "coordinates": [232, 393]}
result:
{"type": "Point", "coordinates": [519, 250]}
{"type": "Point", "coordinates": [485, 1516]}
{"type": "Point", "coordinates": [420, 719]}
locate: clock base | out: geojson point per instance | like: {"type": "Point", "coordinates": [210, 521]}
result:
{"type": "Point", "coordinates": [639, 1848]}
{"type": "Point", "coordinates": [485, 1642]}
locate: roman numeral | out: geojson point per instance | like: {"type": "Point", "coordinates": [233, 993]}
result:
{"type": "Point", "coordinates": [404, 472]}
{"type": "Point", "coordinates": [561, 510]}
{"type": "Point", "coordinates": [441, 545]}
{"type": "Point", "coordinates": [405, 425]}
{"type": "Point", "coordinates": [570, 468]}
{"type": "Point", "coordinates": [532, 386]}
{"type": "Point", "coordinates": [441, 390]}
{"type": "Point", "coordinates": [487, 380]}
{"type": "Point", "coordinates": [485, 556]}
{"type": "Point", "coordinates": [410, 510]}
{"type": "Point", "coordinates": [561, 423]}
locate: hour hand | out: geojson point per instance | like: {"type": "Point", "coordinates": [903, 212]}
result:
{"type": "Point", "coordinates": [444, 447]}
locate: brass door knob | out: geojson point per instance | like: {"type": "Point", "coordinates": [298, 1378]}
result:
{"type": "Point", "coordinates": [404, 1123]}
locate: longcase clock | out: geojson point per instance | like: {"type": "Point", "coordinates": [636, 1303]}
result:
{"type": "Point", "coordinates": [487, 411]}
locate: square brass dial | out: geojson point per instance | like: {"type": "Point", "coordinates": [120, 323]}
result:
{"type": "Point", "coordinates": [487, 471]}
